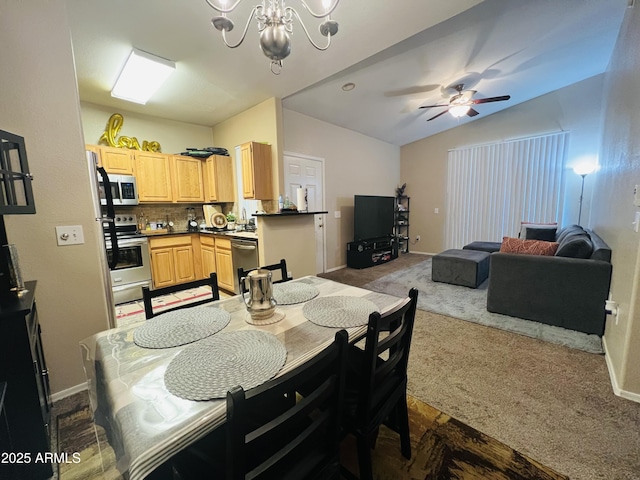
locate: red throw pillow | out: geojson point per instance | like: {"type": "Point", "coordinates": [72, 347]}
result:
{"type": "Point", "coordinates": [528, 247]}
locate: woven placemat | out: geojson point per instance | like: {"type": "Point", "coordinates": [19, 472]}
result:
{"type": "Point", "coordinates": [339, 311]}
{"type": "Point", "coordinates": [179, 327]}
{"type": "Point", "coordinates": [275, 318]}
{"type": "Point", "coordinates": [209, 368]}
{"type": "Point", "coordinates": [290, 293]}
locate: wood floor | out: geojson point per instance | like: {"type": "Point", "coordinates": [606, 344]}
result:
{"type": "Point", "coordinates": [442, 448]}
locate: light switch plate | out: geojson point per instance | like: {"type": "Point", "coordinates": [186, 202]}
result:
{"type": "Point", "coordinates": [70, 235]}
{"type": "Point", "coordinates": [336, 214]}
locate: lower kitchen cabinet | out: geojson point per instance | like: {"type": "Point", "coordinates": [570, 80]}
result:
{"type": "Point", "coordinates": [208, 255]}
{"type": "Point", "coordinates": [27, 402]}
{"type": "Point", "coordinates": [172, 260]}
{"type": "Point", "coordinates": [224, 263]}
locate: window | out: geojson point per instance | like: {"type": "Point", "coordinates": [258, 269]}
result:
{"type": "Point", "coordinates": [492, 188]}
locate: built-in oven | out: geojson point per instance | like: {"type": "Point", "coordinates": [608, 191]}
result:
{"type": "Point", "coordinates": [124, 190]}
{"type": "Point", "coordinates": [132, 271]}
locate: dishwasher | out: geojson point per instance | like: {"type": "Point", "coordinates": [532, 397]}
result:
{"type": "Point", "coordinates": [244, 254]}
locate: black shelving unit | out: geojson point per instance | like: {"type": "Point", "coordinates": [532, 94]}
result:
{"type": "Point", "coordinates": [367, 253]}
{"type": "Point", "coordinates": [27, 401]}
{"type": "Point", "coordinates": [402, 223]}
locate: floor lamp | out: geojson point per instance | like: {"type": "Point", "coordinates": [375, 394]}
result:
{"type": "Point", "coordinates": [583, 170]}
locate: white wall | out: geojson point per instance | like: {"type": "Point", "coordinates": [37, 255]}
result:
{"type": "Point", "coordinates": [577, 109]}
{"type": "Point", "coordinates": [40, 102]}
{"type": "Point", "coordinates": [174, 137]}
{"type": "Point", "coordinates": [613, 209]}
{"type": "Point", "coordinates": [354, 165]}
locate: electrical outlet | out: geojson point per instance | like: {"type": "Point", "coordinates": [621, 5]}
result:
{"type": "Point", "coordinates": [417, 238]}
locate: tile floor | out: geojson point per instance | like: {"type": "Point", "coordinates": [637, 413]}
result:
{"type": "Point", "coordinates": [133, 312]}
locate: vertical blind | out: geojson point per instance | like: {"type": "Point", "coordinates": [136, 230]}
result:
{"type": "Point", "coordinates": [491, 189]}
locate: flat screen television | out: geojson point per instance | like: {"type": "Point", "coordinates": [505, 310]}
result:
{"type": "Point", "coordinates": [373, 217]}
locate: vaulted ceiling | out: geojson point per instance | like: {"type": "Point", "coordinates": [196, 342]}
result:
{"type": "Point", "coordinates": [400, 55]}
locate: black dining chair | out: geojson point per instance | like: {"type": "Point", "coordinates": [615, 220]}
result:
{"type": "Point", "coordinates": [377, 381]}
{"type": "Point", "coordinates": [272, 432]}
{"type": "Point", "coordinates": [280, 266]}
{"type": "Point", "coordinates": [148, 294]}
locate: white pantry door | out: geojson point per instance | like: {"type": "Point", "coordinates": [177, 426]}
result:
{"type": "Point", "coordinates": [307, 172]}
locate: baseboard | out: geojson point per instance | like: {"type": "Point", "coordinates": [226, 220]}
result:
{"type": "Point", "coordinates": [422, 253]}
{"type": "Point", "coordinates": [634, 397]}
{"type": "Point", "coordinates": [68, 392]}
{"type": "Point", "coordinates": [336, 268]}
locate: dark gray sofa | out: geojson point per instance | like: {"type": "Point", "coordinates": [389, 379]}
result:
{"type": "Point", "coordinates": [567, 291]}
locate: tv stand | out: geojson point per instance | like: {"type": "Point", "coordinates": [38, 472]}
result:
{"type": "Point", "coordinates": [375, 251]}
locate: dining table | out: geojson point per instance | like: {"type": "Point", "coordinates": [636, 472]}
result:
{"type": "Point", "coordinates": [146, 423]}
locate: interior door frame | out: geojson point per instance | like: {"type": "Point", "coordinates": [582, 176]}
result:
{"type": "Point", "coordinates": [287, 153]}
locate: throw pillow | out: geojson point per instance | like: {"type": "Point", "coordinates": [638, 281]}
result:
{"type": "Point", "coordinates": [575, 246]}
{"type": "Point", "coordinates": [528, 247]}
{"type": "Point", "coordinates": [546, 234]}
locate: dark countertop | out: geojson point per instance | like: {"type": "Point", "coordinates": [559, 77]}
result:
{"type": "Point", "coordinates": [220, 233]}
{"type": "Point", "coordinates": [286, 214]}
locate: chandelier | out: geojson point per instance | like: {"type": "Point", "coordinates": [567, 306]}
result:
{"type": "Point", "coordinates": [275, 25]}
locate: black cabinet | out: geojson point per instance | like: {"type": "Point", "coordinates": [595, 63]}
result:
{"type": "Point", "coordinates": [27, 401]}
{"type": "Point", "coordinates": [367, 253]}
{"type": "Point", "coordinates": [402, 223]}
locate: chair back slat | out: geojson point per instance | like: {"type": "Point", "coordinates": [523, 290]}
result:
{"type": "Point", "coordinates": [281, 266]}
{"type": "Point", "coordinates": [148, 294]}
{"type": "Point", "coordinates": [384, 375]}
{"type": "Point", "coordinates": [273, 431]}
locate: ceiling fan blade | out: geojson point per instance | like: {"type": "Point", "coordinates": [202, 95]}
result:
{"type": "Point", "coordinates": [432, 106]}
{"type": "Point", "coordinates": [438, 115]}
{"type": "Point", "coordinates": [490, 99]}
{"type": "Point", "coordinates": [472, 112]}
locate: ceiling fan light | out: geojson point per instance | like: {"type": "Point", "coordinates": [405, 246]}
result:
{"type": "Point", "coordinates": [143, 74]}
{"type": "Point", "coordinates": [459, 110]}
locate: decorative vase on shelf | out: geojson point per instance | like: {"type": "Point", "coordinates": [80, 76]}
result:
{"type": "Point", "coordinates": [231, 225]}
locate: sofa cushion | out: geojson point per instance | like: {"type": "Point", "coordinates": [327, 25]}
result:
{"type": "Point", "coordinates": [528, 247]}
{"type": "Point", "coordinates": [601, 251]}
{"type": "Point", "coordinates": [546, 234]}
{"type": "Point", "coordinates": [575, 245]}
{"type": "Point", "coordinates": [568, 230]}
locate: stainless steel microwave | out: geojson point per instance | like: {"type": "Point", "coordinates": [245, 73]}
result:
{"type": "Point", "coordinates": [124, 190]}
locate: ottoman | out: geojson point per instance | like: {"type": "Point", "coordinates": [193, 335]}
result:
{"type": "Point", "coordinates": [468, 268]}
{"type": "Point", "coordinates": [489, 247]}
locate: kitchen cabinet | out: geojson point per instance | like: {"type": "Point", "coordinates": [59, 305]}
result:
{"type": "Point", "coordinates": [153, 177]}
{"type": "Point", "coordinates": [187, 176]}
{"type": "Point", "coordinates": [224, 263]}
{"type": "Point", "coordinates": [208, 255]}
{"type": "Point", "coordinates": [116, 160]}
{"type": "Point", "coordinates": [172, 260]}
{"type": "Point", "coordinates": [27, 401]}
{"type": "Point", "coordinates": [256, 171]}
{"type": "Point", "coordinates": [218, 179]}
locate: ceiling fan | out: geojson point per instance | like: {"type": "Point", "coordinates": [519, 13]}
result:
{"type": "Point", "coordinates": [460, 103]}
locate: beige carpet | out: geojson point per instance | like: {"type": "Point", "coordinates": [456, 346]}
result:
{"type": "Point", "coordinates": [549, 402]}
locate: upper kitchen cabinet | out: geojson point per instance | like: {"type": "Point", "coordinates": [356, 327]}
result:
{"type": "Point", "coordinates": [116, 160]}
{"type": "Point", "coordinates": [256, 171]}
{"type": "Point", "coordinates": [188, 185]}
{"type": "Point", "coordinates": [218, 179]}
{"type": "Point", "coordinates": [153, 176]}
